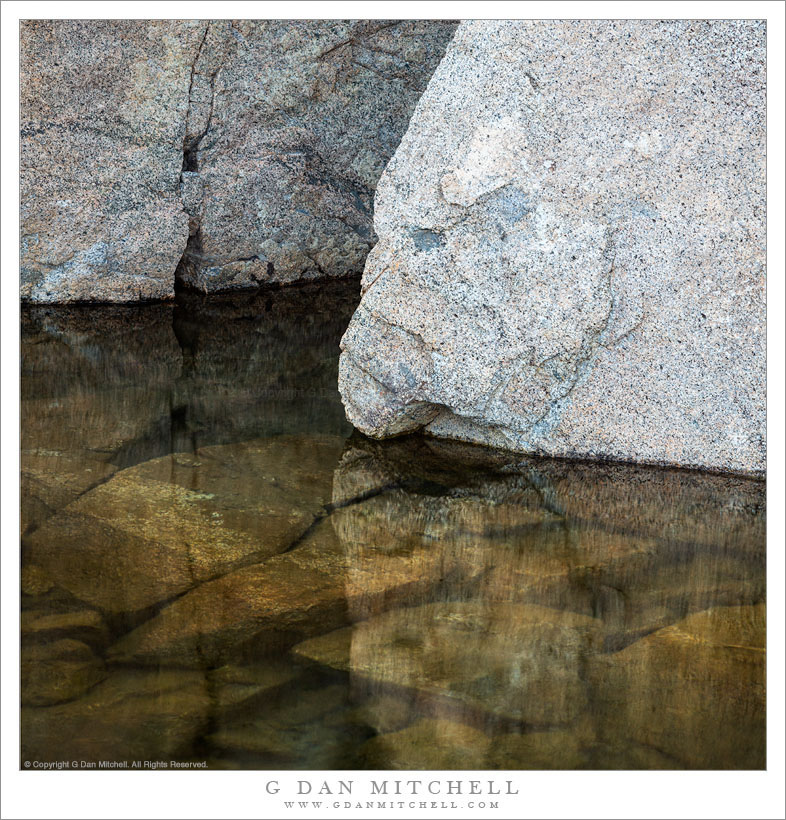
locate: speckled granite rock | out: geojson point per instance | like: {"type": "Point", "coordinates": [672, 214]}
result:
{"type": "Point", "coordinates": [251, 146]}
{"type": "Point", "coordinates": [290, 126]}
{"type": "Point", "coordinates": [571, 255]}
{"type": "Point", "coordinates": [103, 108]}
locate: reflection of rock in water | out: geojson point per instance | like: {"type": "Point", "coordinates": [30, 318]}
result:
{"type": "Point", "coordinates": [93, 381]}
{"type": "Point", "coordinates": [105, 388]}
{"type": "Point", "coordinates": [694, 690]}
{"type": "Point", "coordinates": [518, 663]}
{"type": "Point", "coordinates": [533, 548]}
{"type": "Point", "coordinates": [443, 607]}
{"type": "Point", "coordinates": [637, 547]}
{"type": "Point", "coordinates": [132, 715]}
{"type": "Point", "coordinates": [261, 364]}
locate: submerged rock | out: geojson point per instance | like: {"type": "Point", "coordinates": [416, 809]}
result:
{"type": "Point", "coordinates": [571, 255]}
{"type": "Point", "coordinates": [306, 728]}
{"type": "Point", "coordinates": [427, 745]}
{"type": "Point", "coordinates": [637, 547]}
{"type": "Point", "coordinates": [693, 691]}
{"type": "Point", "coordinates": [95, 387]}
{"type": "Point", "coordinates": [518, 663]}
{"type": "Point", "coordinates": [314, 588]}
{"type": "Point", "coordinates": [132, 715]}
{"type": "Point", "coordinates": [442, 744]}
{"type": "Point", "coordinates": [58, 671]}
{"type": "Point", "coordinates": [157, 529]}
{"type": "Point", "coordinates": [233, 686]}
{"type": "Point", "coordinates": [85, 624]}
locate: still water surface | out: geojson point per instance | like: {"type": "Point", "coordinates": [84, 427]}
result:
{"type": "Point", "coordinates": [216, 568]}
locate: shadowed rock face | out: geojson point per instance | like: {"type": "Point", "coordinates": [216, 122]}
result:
{"type": "Point", "coordinates": [571, 247]}
{"type": "Point", "coordinates": [290, 126]}
{"type": "Point", "coordinates": [230, 153]}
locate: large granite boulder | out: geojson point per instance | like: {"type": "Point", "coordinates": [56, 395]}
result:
{"type": "Point", "coordinates": [291, 125]}
{"type": "Point", "coordinates": [571, 255]}
{"type": "Point", "coordinates": [230, 152]}
{"type": "Point", "coordinates": [103, 109]}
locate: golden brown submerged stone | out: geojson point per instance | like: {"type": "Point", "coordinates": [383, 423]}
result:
{"type": "Point", "coordinates": [447, 608]}
{"type": "Point", "coordinates": [161, 527]}
{"type": "Point", "coordinates": [94, 382]}
{"type": "Point", "coordinates": [695, 690]}
{"type": "Point", "coordinates": [133, 714]}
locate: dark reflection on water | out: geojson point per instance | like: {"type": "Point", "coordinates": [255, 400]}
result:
{"type": "Point", "coordinates": [214, 567]}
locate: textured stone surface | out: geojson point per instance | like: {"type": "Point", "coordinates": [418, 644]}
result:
{"type": "Point", "coordinates": [482, 662]}
{"type": "Point", "coordinates": [671, 690]}
{"type": "Point", "coordinates": [157, 529]}
{"type": "Point", "coordinates": [103, 109]}
{"type": "Point", "coordinates": [291, 124]}
{"type": "Point", "coordinates": [253, 145]}
{"type": "Point", "coordinates": [571, 247]}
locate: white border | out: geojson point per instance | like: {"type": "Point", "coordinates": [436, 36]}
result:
{"type": "Point", "coordinates": [542, 794]}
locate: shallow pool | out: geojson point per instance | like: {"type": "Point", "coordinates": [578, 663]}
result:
{"type": "Point", "coordinates": [216, 568]}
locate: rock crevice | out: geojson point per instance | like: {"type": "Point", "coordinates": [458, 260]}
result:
{"type": "Point", "coordinates": [214, 155]}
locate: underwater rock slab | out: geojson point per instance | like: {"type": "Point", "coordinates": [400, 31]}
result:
{"type": "Point", "coordinates": [58, 671]}
{"type": "Point", "coordinates": [163, 526]}
{"type": "Point", "coordinates": [428, 744]}
{"type": "Point", "coordinates": [304, 728]}
{"type": "Point", "coordinates": [316, 587]}
{"type": "Point", "coordinates": [84, 624]}
{"type": "Point", "coordinates": [491, 661]}
{"type": "Point", "coordinates": [234, 686]}
{"type": "Point", "coordinates": [571, 249]}
{"type": "Point", "coordinates": [132, 715]}
{"type": "Point", "coordinates": [676, 688]}
{"type": "Point", "coordinates": [95, 391]}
